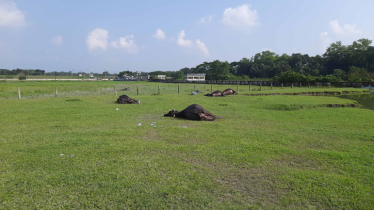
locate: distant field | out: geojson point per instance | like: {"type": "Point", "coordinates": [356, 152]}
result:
{"type": "Point", "coordinates": [49, 77]}
{"type": "Point", "coordinates": [98, 77]}
{"type": "Point", "coordinates": [268, 152]}
{"type": "Point", "coordinates": [44, 89]}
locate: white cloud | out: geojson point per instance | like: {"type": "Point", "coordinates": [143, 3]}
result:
{"type": "Point", "coordinates": [325, 41]}
{"type": "Point", "coordinates": [126, 43]}
{"type": "Point", "coordinates": [10, 16]}
{"type": "Point", "coordinates": [159, 34]}
{"type": "Point", "coordinates": [345, 30]}
{"type": "Point", "coordinates": [57, 40]}
{"type": "Point", "coordinates": [241, 16]}
{"type": "Point", "coordinates": [202, 47]}
{"type": "Point", "coordinates": [206, 20]}
{"type": "Point", "coordinates": [323, 34]}
{"type": "Point", "coordinates": [97, 38]}
{"type": "Point", "coordinates": [183, 42]}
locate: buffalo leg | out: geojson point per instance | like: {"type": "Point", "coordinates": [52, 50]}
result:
{"type": "Point", "coordinates": [204, 117]}
{"type": "Point", "coordinates": [207, 113]}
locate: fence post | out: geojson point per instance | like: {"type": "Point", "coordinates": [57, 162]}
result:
{"type": "Point", "coordinates": [282, 86]}
{"type": "Point", "coordinates": [300, 84]}
{"type": "Point", "coordinates": [159, 89]}
{"type": "Point", "coordinates": [237, 88]}
{"type": "Point", "coordinates": [137, 90]}
{"type": "Point", "coordinates": [291, 85]}
{"type": "Point", "coordinates": [19, 93]}
{"type": "Point", "coordinates": [55, 91]}
{"type": "Point", "coordinates": [115, 91]}
{"type": "Point", "coordinates": [249, 86]}
{"type": "Point", "coordinates": [179, 89]}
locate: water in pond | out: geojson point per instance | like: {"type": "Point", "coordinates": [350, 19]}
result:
{"type": "Point", "coordinates": [365, 100]}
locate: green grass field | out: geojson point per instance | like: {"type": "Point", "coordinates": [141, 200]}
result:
{"type": "Point", "coordinates": [45, 89]}
{"type": "Point", "coordinates": [268, 152]}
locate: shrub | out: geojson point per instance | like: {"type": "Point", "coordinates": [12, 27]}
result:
{"type": "Point", "coordinates": [365, 79]}
{"type": "Point", "coordinates": [22, 78]}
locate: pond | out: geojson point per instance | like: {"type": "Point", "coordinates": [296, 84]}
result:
{"type": "Point", "coordinates": [365, 100]}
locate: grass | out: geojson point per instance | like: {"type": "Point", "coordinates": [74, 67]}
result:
{"type": "Point", "coordinates": [45, 89]}
{"type": "Point", "coordinates": [99, 77]}
{"type": "Point", "coordinates": [48, 77]}
{"type": "Point", "coordinates": [269, 152]}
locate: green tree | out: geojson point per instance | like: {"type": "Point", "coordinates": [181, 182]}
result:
{"type": "Point", "coordinates": [356, 74]}
{"type": "Point", "coordinates": [220, 70]}
{"type": "Point", "coordinates": [339, 73]}
{"type": "Point", "coordinates": [179, 75]}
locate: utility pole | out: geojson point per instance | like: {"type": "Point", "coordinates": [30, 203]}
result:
{"type": "Point", "coordinates": [55, 75]}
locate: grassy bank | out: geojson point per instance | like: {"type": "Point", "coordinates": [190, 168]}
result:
{"type": "Point", "coordinates": [269, 152]}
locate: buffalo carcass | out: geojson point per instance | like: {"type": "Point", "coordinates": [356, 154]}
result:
{"type": "Point", "coordinates": [124, 99]}
{"type": "Point", "coordinates": [229, 91]}
{"type": "Point", "coordinates": [216, 93]}
{"type": "Point", "coordinates": [193, 112]}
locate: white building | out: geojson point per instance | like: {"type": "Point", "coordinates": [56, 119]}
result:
{"type": "Point", "coordinates": [128, 77]}
{"type": "Point", "coordinates": [195, 77]}
{"type": "Point", "coordinates": [163, 77]}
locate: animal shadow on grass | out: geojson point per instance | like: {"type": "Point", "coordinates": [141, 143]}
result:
{"type": "Point", "coordinates": [74, 99]}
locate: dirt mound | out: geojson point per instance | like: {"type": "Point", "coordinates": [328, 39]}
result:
{"type": "Point", "coordinates": [124, 99]}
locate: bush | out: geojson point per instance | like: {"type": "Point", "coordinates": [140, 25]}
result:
{"type": "Point", "coordinates": [22, 78]}
{"type": "Point", "coordinates": [291, 76]}
{"type": "Point", "coordinates": [365, 79]}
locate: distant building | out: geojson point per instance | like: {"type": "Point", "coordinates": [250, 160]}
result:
{"type": "Point", "coordinates": [163, 77]}
{"type": "Point", "coordinates": [128, 77]}
{"type": "Point", "coordinates": [143, 78]}
{"type": "Point", "coordinates": [195, 77]}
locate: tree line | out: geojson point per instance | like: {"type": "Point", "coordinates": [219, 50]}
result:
{"type": "Point", "coordinates": [353, 62]}
{"type": "Point", "coordinates": [22, 71]}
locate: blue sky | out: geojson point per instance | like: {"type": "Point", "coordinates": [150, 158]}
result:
{"type": "Point", "coordinates": [165, 35]}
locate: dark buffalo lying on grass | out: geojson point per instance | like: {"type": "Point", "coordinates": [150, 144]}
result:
{"type": "Point", "coordinates": [193, 112]}
{"type": "Point", "coordinates": [216, 93]}
{"type": "Point", "coordinates": [229, 91]}
{"type": "Point", "coordinates": [124, 99]}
